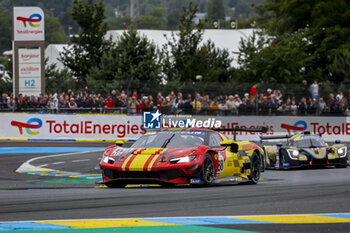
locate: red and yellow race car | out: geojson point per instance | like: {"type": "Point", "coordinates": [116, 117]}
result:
{"type": "Point", "coordinates": [182, 156]}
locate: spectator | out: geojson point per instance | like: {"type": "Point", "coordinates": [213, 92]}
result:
{"type": "Point", "coordinates": [53, 104]}
{"type": "Point", "coordinates": [339, 96]}
{"type": "Point", "coordinates": [303, 107]}
{"type": "Point", "coordinates": [265, 106]}
{"type": "Point", "coordinates": [64, 104]}
{"type": "Point", "coordinates": [313, 106]}
{"type": "Point", "coordinates": [314, 88]}
{"type": "Point", "coordinates": [26, 102]}
{"type": "Point", "coordinates": [304, 89]}
{"type": "Point", "coordinates": [132, 105]}
{"type": "Point", "coordinates": [242, 109]}
{"type": "Point", "coordinates": [237, 101]}
{"type": "Point", "coordinates": [187, 106]}
{"type": "Point", "coordinates": [94, 104]}
{"type": "Point", "coordinates": [109, 104]}
{"type": "Point", "coordinates": [34, 103]}
{"type": "Point", "coordinates": [205, 104]}
{"type": "Point", "coordinates": [160, 99]}
{"type": "Point", "coordinates": [275, 104]}
{"type": "Point", "coordinates": [214, 106]}
{"type": "Point", "coordinates": [135, 94]}
{"type": "Point", "coordinates": [222, 108]}
{"type": "Point", "coordinates": [148, 105]}
{"type": "Point", "coordinates": [72, 104]}
{"type": "Point", "coordinates": [331, 105]}
{"type": "Point", "coordinates": [268, 92]}
{"type": "Point", "coordinates": [287, 107]}
{"type": "Point", "coordinates": [3, 103]}
{"type": "Point", "coordinates": [231, 106]}
{"type": "Point", "coordinates": [11, 103]}
{"type": "Point", "coordinates": [251, 107]}
{"type": "Point", "coordinates": [115, 98]}
{"type": "Point", "coordinates": [166, 105]}
{"type": "Point", "coordinates": [293, 108]}
{"type": "Point", "coordinates": [196, 105]}
{"type": "Point", "coordinates": [253, 92]}
{"type": "Point", "coordinates": [322, 106]}
{"type": "Point", "coordinates": [246, 97]}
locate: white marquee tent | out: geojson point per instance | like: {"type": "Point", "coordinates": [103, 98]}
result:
{"type": "Point", "coordinates": [223, 39]}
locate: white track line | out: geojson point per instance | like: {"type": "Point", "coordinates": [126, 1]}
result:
{"type": "Point", "coordinates": [27, 167]}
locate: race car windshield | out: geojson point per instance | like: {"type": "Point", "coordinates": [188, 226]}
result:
{"type": "Point", "coordinates": [169, 140]}
{"type": "Point", "coordinates": [309, 142]}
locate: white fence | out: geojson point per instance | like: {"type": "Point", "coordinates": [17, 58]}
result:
{"type": "Point", "coordinates": [110, 127]}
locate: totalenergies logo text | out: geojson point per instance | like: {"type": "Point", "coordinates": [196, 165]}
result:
{"type": "Point", "coordinates": [32, 123]}
{"type": "Point", "coordinates": [33, 20]}
{"type": "Point", "coordinates": [298, 126]}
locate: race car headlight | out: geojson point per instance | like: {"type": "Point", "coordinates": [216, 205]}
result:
{"type": "Point", "coordinates": [185, 159]}
{"type": "Point", "coordinates": [293, 154]}
{"type": "Point", "coordinates": [107, 159]}
{"type": "Point", "coordinates": [342, 152]}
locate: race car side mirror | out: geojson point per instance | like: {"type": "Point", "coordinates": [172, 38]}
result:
{"type": "Point", "coordinates": [337, 141]}
{"type": "Point", "coordinates": [119, 142]}
{"type": "Point", "coordinates": [234, 146]}
{"type": "Point", "coordinates": [279, 144]}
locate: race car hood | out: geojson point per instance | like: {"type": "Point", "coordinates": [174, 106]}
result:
{"type": "Point", "coordinates": [144, 159]}
{"type": "Point", "coordinates": [316, 153]}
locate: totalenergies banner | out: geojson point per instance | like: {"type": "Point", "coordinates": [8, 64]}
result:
{"type": "Point", "coordinates": [109, 127]}
{"type": "Point", "coordinates": [28, 24]}
{"type": "Point", "coordinates": [61, 126]}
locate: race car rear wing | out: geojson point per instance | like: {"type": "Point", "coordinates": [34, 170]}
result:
{"type": "Point", "coordinates": [275, 137]}
{"type": "Point", "coordinates": [237, 129]}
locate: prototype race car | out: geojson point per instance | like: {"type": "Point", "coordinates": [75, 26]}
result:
{"type": "Point", "coordinates": [182, 156]}
{"type": "Point", "coordinates": [304, 150]}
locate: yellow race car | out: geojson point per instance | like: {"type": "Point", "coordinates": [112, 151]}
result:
{"type": "Point", "coordinates": [304, 150]}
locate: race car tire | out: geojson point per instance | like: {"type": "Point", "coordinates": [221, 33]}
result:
{"type": "Point", "coordinates": [115, 185]}
{"type": "Point", "coordinates": [208, 170]}
{"type": "Point", "coordinates": [283, 156]}
{"type": "Point", "coordinates": [255, 169]}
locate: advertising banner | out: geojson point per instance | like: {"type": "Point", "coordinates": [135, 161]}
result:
{"type": "Point", "coordinates": [29, 74]}
{"type": "Point", "coordinates": [28, 23]}
{"type": "Point", "coordinates": [31, 56]}
{"type": "Point", "coordinates": [108, 127]}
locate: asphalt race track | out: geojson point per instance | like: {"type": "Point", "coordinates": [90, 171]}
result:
{"type": "Point", "coordinates": [66, 189]}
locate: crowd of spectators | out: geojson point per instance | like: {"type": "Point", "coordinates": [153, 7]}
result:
{"type": "Point", "coordinates": [270, 102]}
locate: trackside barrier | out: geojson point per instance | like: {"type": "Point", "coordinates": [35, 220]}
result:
{"type": "Point", "coordinates": [109, 127]}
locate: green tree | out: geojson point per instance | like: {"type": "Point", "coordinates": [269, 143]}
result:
{"type": "Point", "coordinates": [5, 30]}
{"type": "Point", "coordinates": [285, 62]}
{"type": "Point", "coordinates": [68, 24]}
{"type": "Point", "coordinates": [133, 63]}
{"type": "Point", "coordinates": [155, 19]}
{"type": "Point", "coordinates": [54, 33]}
{"type": "Point", "coordinates": [320, 26]}
{"type": "Point", "coordinates": [216, 10]}
{"type": "Point", "coordinates": [173, 20]}
{"type": "Point", "coordinates": [86, 50]}
{"type": "Point", "coordinates": [58, 80]}
{"type": "Point", "coordinates": [185, 58]}
{"type": "Point", "coordinates": [149, 22]}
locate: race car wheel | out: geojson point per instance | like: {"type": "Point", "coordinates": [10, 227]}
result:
{"type": "Point", "coordinates": [208, 170]}
{"type": "Point", "coordinates": [255, 169]}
